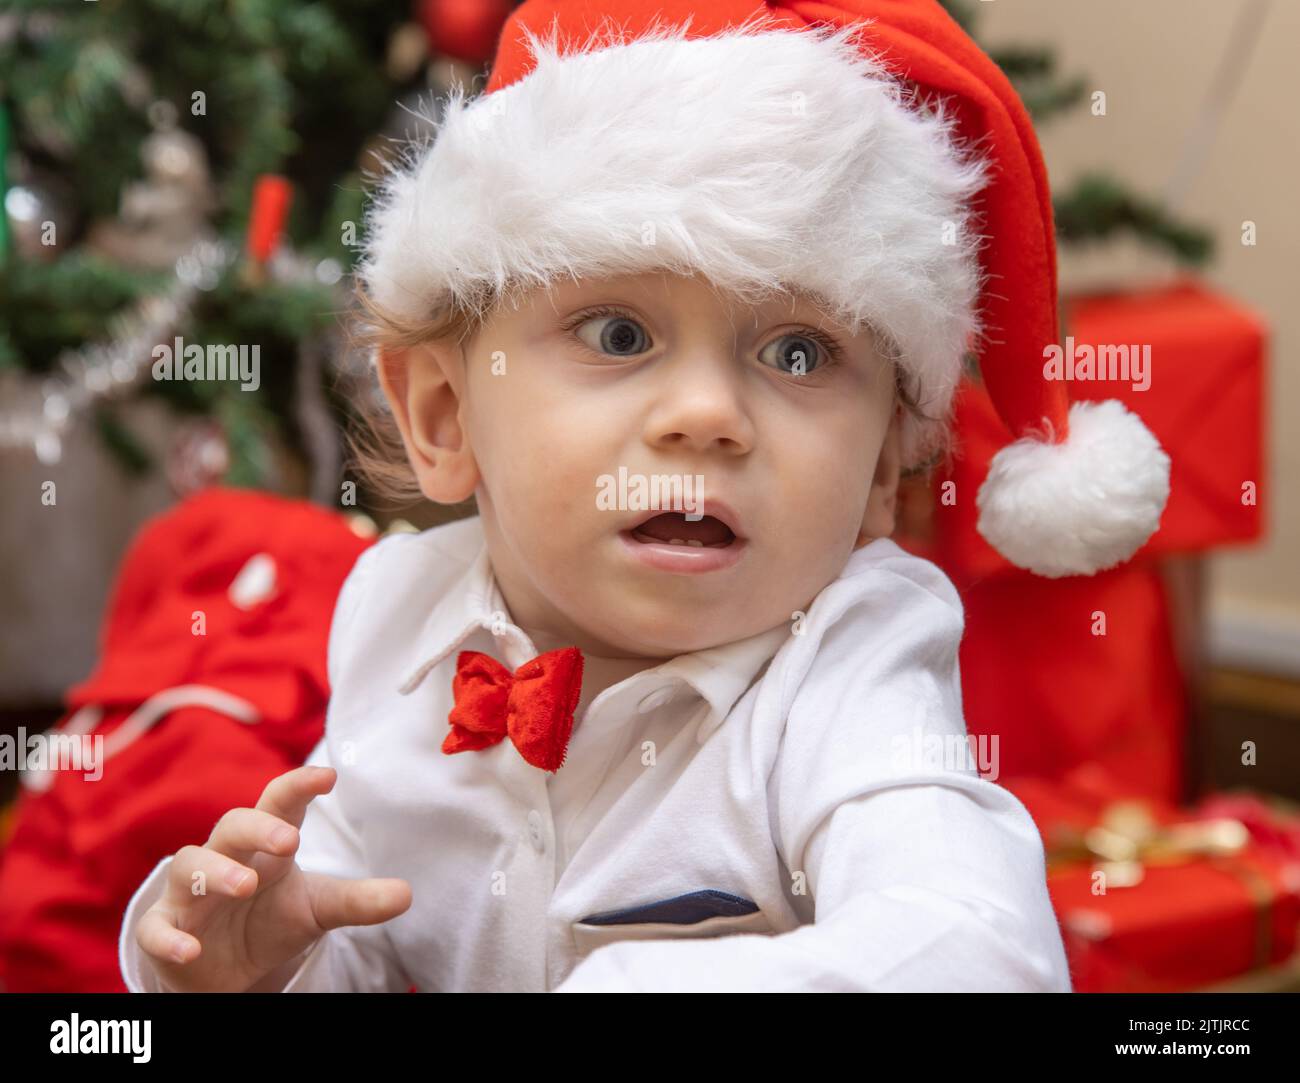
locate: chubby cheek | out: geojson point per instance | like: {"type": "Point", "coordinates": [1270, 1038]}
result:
{"type": "Point", "coordinates": [534, 462]}
{"type": "Point", "coordinates": [813, 544]}
{"type": "Point", "coordinates": [819, 499]}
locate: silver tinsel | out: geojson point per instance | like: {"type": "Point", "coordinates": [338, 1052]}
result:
{"type": "Point", "coordinates": [36, 413]}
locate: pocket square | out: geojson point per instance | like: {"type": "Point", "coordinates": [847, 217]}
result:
{"type": "Point", "coordinates": [688, 909]}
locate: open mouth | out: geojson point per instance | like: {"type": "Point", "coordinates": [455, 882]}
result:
{"type": "Point", "coordinates": [673, 528]}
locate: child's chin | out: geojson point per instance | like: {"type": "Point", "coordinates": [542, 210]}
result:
{"type": "Point", "coordinates": [660, 628]}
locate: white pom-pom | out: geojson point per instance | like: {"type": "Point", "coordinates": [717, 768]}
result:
{"type": "Point", "coordinates": [1081, 506]}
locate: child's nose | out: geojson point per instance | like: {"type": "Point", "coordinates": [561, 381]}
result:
{"type": "Point", "coordinates": [700, 404]}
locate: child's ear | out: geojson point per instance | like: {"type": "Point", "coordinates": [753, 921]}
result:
{"type": "Point", "coordinates": [882, 502]}
{"type": "Point", "coordinates": [422, 384]}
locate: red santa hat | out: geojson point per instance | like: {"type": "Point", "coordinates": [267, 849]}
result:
{"type": "Point", "coordinates": [863, 151]}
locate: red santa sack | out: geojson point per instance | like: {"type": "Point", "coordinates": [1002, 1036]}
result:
{"type": "Point", "coordinates": [212, 680]}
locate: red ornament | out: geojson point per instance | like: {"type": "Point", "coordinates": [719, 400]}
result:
{"type": "Point", "coordinates": [272, 195]}
{"type": "Point", "coordinates": [464, 29]}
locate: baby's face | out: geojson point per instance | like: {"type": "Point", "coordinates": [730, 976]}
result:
{"type": "Point", "coordinates": [584, 417]}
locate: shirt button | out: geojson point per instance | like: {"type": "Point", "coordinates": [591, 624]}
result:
{"type": "Point", "coordinates": [535, 831]}
{"type": "Point", "coordinates": [655, 699]}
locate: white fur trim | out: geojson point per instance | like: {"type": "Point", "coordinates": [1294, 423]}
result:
{"type": "Point", "coordinates": [1081, 506]}
{"type": "Point", "coordinates": [758, 159]}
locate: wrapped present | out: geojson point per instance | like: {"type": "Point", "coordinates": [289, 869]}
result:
{"type": "Point", "coordinates": [1152, 898]}
{"type": "Point", "coordinates": [1060, 685]}
{"type": "Point", "coordinates": [1200, 390]}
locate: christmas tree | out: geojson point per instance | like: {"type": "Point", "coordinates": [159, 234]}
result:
{"type": "Point", "coordinates": [197, 170]}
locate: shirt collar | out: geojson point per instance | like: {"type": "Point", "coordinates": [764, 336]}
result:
{"type": "Point", "coordinates": [720, 675]}
{"type": "Point", "coordinates": [474, 601]}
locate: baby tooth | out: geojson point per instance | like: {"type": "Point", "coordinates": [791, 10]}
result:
{"type": "Point", "coordinates": [696, 542]}
{"type": "Point", "coordinates": [676, 541]}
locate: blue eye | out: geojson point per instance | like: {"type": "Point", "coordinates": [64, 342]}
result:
{"type": "Point", "coordinates": [797, 355]}
{"type": "Point", "coordinates": [618, 336]}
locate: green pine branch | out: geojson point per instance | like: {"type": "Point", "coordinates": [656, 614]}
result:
{"type": "Point", "coordinates": [47, 308]}
{"type": "Point", "coordinates": [1096, 208]}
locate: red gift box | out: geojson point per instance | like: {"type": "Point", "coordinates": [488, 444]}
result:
{"type": "Point", "coordinates": [1205, 404]}
{"type": "Point", "coordinates": [1191, 921]}
{"type": "Point", "coordinates": [1036, 673]}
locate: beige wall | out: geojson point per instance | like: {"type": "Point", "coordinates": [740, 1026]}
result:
{"type": "Point", "coordinates": [1156, 60]}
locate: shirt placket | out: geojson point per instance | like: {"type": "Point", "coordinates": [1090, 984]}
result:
{"type": "Point", "coordinates": [621, 718]}
{"type": "Point", "coordinates": [614, 721]}
{"type": "Point", "coordinates": [536, 827]}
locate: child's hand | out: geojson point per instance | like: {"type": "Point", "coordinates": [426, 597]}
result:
{"type": "Point", "coordinates": [236, 933]}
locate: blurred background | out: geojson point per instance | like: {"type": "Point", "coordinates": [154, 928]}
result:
{"type": "Point", "coordinates": [189, 172]}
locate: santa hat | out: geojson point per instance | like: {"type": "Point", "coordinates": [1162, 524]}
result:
{"type": "Point", "coordinates": [864, 151]}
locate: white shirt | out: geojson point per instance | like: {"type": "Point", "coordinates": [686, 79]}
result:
{"type": "Point", "coordinates": [781, 769]}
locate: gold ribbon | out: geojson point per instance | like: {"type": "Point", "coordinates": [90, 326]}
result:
{"type": "Point", "coordinates": [1127, 838]}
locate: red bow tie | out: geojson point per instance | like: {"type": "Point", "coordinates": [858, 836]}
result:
{"type": "Point", "coordinates": [534, 705]}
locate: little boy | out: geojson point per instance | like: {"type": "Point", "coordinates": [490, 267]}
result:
{"type": "Point", "coordinates": [714, 741]}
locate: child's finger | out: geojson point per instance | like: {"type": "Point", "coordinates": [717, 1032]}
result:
{"type": "Point", "coordinates": [287, 796]}
{"type": "Point", "coordinates": [197, 872]}
{"type": "Point", "coordinates": [337, 902]}
{"type": "Point", "coordinates": [160, 939]}
{"type": "Point", "coordinates": [243, 832]}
